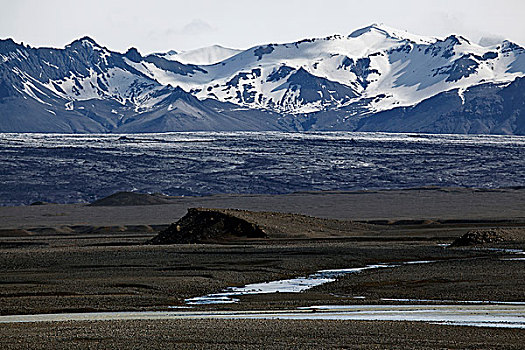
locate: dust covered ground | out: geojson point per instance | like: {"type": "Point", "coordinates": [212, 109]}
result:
{"type": "Point", "coordinates": [74, 258]}
{"type": "Point", "coordinates": [255, 334]}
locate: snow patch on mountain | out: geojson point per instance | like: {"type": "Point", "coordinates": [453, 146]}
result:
{"type": "Point", "coordinates": [202, 56]}
{"type": "Point", "coordinates": [388, 66]}
{"type": "Point", "coordinates": [329, 83]}
{"type": "Point", "coordinates": [392, 33]}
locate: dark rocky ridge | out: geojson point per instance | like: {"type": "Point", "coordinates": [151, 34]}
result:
{"type": "Point", "coordinates": [488, 236]}
{"type": "Point", "coordinates": [204, 225]}
{"type": "Point", "coordinates": [482, 109]}
{"type": "Point", "coordinates": [478, 237]}
{"type": "Point", "coordinates": [207, 225]}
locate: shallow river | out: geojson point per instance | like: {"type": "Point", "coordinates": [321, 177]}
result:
{"type": "Point", "coordinates": [459, 313]}
{"type": "Point", "coordinates": [479, 315]}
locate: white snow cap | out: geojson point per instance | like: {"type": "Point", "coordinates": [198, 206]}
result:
{"type": "Point", "coordinates": [391, 33]}
{"type": "Point", "coordinates": [202, 56]}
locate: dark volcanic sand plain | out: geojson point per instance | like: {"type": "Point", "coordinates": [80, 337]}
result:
{"type": "Point", "coordinates": [70, 258]}
{"type": "Point", "coordinates": [254, 334]}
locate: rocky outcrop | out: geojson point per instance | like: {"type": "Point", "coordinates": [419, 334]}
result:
{"type": "Point", "coordinates": [207, 226]}
{"type": "Point", "coordinates": [226, 225]}
{"type": "Point", "coordinates": [476, 237]}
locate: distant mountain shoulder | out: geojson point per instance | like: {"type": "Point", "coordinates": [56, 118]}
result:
{"type": "Point", "coordinates": [375, 79]}
{"type": "Point", "coordinates": [482, 109]}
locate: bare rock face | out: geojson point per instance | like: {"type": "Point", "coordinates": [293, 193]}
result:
{"type": "Point", "coordinates": [207, 226]}
{"type": "Point", "coordinates": [479, 237]}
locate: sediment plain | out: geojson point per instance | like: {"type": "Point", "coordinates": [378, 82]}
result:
{"type": "Point", "coordinates": [80, 258]}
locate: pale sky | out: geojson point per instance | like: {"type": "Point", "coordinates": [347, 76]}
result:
{"type": "Point", "coordinates": [159, 25]}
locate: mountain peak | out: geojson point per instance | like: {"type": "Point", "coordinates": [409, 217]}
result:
{"type": "Point", "coordinates": [456, 39]}
{"type": "Point", "coordinates": [133, 54]}
{"type": "Point", "coordinates": [178, 93]}
{"type": "Point", "coordinates": [390, 33]}
{"type": "Point", "coordinates": [7, 45]}
{"type": "Point", "coordinates": [84, 41]}
{"type": "Point", "coordinates": [313, 84]}
{"type": "Point", "coordinates": [8, 41]}
{"type": "Point", "coordinates": [511, 46]}
{"type": "Point", "coordinates": [373, 27]}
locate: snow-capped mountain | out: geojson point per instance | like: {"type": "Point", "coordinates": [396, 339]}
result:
{"type": "Point", "coordinates": [391, 67]}
{"type": "Point", "coordinates": [377, 78]}
{"type": "Point", "coordinates": [88, 88]}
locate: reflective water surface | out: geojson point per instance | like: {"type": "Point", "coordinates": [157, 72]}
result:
{"type": "Point", "coordinates": [501, 316]}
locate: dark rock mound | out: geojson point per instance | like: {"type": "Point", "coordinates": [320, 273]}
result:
{"type": "Point", "coordinates": [131, 198]}
{"type": "Point", "coordinates": [207, 226]}
{"type": "Point", "coordinates": [39, 203]}
{"type": "Point", "coordinates": [476, 237]}
{"type": "Point", "coordinates": [223, 225]}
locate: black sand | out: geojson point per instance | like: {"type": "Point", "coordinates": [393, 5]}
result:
{"type": "Point", "coordinates": [67, 258]}
{"type": "Point", "coordinates": [255, 334]}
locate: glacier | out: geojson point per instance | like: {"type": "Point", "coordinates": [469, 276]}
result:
{"type": "Point", "coordinates": [82, 168]}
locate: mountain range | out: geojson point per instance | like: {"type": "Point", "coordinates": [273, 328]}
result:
{"type": "Point", "coordinates": [375, 79]}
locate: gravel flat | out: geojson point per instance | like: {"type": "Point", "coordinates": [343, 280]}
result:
{"type": "Point", "coordinates": [77, 258]}
{"type": "Point", "coordinates": [255, 334]}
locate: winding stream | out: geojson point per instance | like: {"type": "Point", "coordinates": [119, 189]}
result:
{"type": "Point", "coordinates": [300, 284]}
{"type": "Point", "coordinates": [461, 313]}
{"type": "Point", "coordinates": [293, 285]}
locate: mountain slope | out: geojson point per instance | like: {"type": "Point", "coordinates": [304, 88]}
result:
{"type": "Point", "coordinates": [203, 56]}
{"type": "Point", "coordinates": [375, 79]}
{"type": "Point", "coordinates": [385, 65]}
{"type": "Point", "coordinates": [182, 111]}
{"type": "Point", "coordinates": [86, 88]}
{"type": "Point", "coordinates": [482, 109]}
